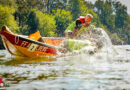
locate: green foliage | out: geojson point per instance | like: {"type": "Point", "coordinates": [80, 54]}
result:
{"type": "Point", "coordinates": [116, 39]}
{"type": "Point", "coordinates": [121, 14]}
{"type": "Point", "coordinates": [35, 4]}
{"type": "Point", "coordinates": [54, 5]}
{"type": "Point", "coordinates": [83, 8]}
{"type": "Point", "coordinates": [126, 30]}
{"type": "Point", "coordinates": [70, 27]}
{"type": "Point", "coordinates": [8, 3]}
{"type": "Point", "coordinates": [63, 19]}
{"type": "Point", "coordinates": [6, 18]}
{"type": "Point", "coordinates": [113, 15]}
{"type": "Point", "coordinates": [32, 22]}
{"type": "Point", "coordinates": [21, 14]}
{"type": "Point", "coordinates": [52, 17]}
{"type": "Point", "coordinates": [74, 8]}
{"type": "Point", "coordinates": [46, 24]}
{"type": "Point", "coordinates": [111, 23]}
{"type": "Point", "coordinates": [104, 10]}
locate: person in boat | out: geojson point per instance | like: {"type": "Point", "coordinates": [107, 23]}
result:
{"type": "Point", "coordinates": [84, 21]}
{"type": "Point", "coordinates": [36, 36]}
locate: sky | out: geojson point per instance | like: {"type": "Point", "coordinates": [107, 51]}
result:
{"type": "Point", "coordinates": [125, 2]}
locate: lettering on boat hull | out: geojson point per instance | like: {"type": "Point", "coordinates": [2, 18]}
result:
{"type": "Point", "coordinates": [32, 47]}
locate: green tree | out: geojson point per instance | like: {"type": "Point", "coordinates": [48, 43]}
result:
{"type": "Point", "coordinates": [23, 10]}
{"type": "Point", "coordinates": [121, 14]}
{"type": "Point", "coordinates": [126, 30]}
{"type": "Point", "coordinates": [54, 5]}
{"type": "Point", "coordinates": [74, 8]}
{"type": "Point", "coordinates": [63, 19]}
{"type": "Point", "coordinates": [104, 10]}
{"type": "Point", "coordinates": [47, 23]}
{"type": "Point", "coordinates": [36, 4]}
{"type": "Point", "coordinates": [110, 23]}
{"type": "Point", "coordinates": [21, 14]}
{"type": "Point", "coordinates": [89, 4]}
{"type": "Point", "coordinates": [10, 3]}
{"type": "Point", "coordinates": [7, 18]}
{"type": "Point", "coordinates": [32, 22]}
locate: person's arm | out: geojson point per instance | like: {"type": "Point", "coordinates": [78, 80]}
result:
{"type": "Point", "coordinates": [78, 24]}
{"type": "Point", "coordinates": [69, 30]}
{"type": "Point", "coordinates": [87, 24]}
{"type": "Point", "coordinates": [74, 34]}
{"type": "Point", "coordinates": [76, 29]}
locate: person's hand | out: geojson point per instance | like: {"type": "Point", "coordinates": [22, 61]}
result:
{"type": "Point", "coordinates": [87, 24]}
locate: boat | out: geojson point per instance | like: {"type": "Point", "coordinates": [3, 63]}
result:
{"type": "Point", "coordinates": [18, 45]}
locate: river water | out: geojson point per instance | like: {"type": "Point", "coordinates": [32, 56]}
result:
{"type": "Point", "coordinates": [81, 71]}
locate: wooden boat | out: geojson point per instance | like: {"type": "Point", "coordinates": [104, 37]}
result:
{"type": "Point", "coordinates": [18, 45]}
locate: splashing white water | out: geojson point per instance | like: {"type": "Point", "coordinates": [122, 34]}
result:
{"type": "Point", "coordinates": [100, 40]}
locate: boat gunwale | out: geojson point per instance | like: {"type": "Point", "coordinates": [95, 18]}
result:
{"type": "Point", "coordinates": [29, 40]}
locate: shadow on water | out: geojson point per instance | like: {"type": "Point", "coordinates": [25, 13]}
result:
{"type": "Point", "coordinates": [24, 60]}
{"type": "Point", "coordinates": [7, 59]}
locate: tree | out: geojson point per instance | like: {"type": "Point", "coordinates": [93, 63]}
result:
{"type": "Point", "coordinates": [110, 23]}
{"type": "Point", "coordinates": [74, 8]}
{"type": "Point", "coordinates": [7, 18]}
{"type": "Point", "coordinates": [55, 4]}
{"type": "Point", "coordinates": [36, 4]}
{"type": "Point", "coordinates": [104, 10]}
{"type": "Point", "coordinates": [63, 19]}
{"type": "Point", "coordinates": [121, 14]}
{"type": "Point", "coordinates": [21, 14]}
{"type": "Point", "coordinates": [89, 4]}
{"type": "Point", "coordinates": [47, 23]}
{"type": "Point", "coordinates": [32, 22]}
{"type": "Point", "coordinates": [10, 3]}
{"type": "Point", "coordinates": [23, 10]}
{"type": "Point", "coordinates": [126, 30]}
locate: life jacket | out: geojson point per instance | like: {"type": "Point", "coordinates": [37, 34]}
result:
{"type": "Point", "coordinates": [35, 36]}
{"type": "Point", "coordinates": [84, 19]}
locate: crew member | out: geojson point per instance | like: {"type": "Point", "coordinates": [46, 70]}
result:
{"type": "Point", "coordinates": [81, 21]}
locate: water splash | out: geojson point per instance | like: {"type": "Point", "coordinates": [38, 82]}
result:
{"type": "Point", "coordinates": [93, 40]}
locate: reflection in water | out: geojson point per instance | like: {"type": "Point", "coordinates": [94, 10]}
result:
{"type": "Point", "coordinates": [24, 60]}
{"type": "Point", "coordinates": [76, 71]}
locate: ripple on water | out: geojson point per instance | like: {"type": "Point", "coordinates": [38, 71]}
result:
{"type": "Point", "coordinates": [80, 71]}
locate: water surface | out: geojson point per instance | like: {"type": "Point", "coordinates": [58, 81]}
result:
{"type": "Point", "coordinates": [102, 70]}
